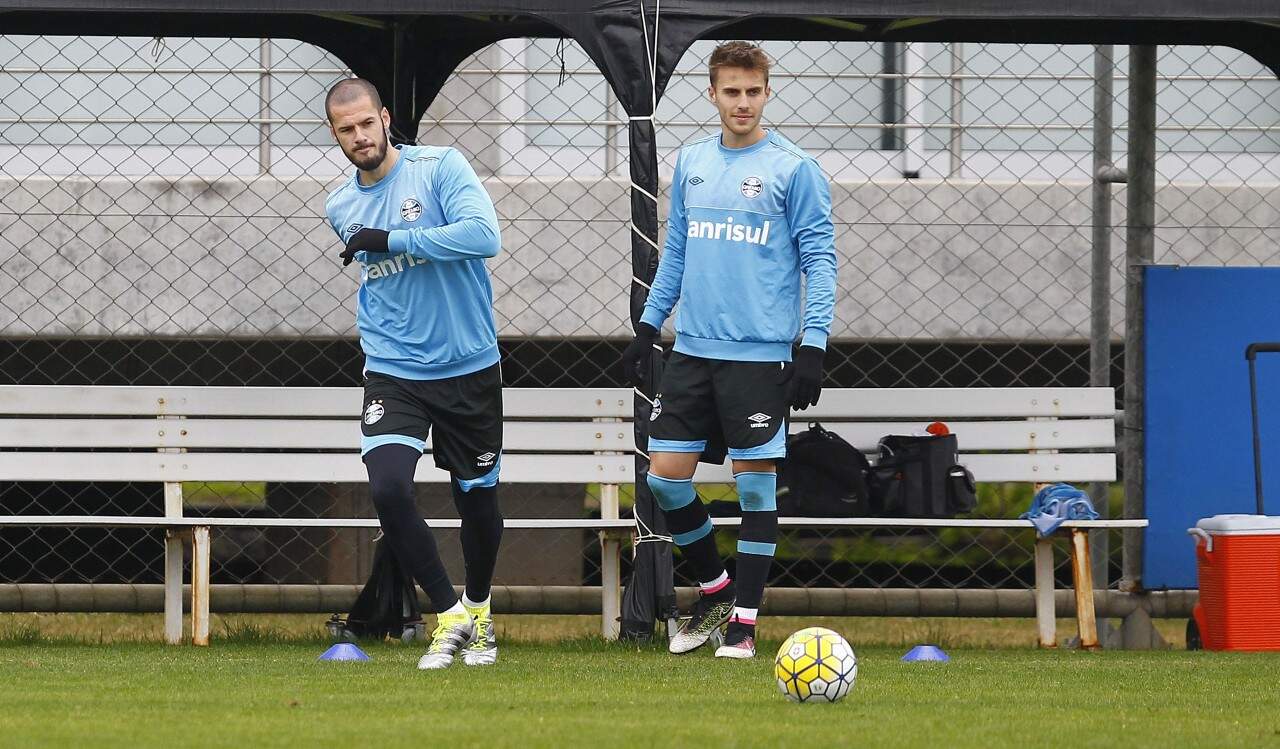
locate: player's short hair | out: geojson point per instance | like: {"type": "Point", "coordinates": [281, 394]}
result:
{"type": "Point", "coordinates": [349, 90]}
{"type": "Point", "coordinates": [738, 55]}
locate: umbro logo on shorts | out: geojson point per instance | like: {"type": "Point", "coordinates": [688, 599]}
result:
{"type": "Point", "coordinates": [759, 420]}
{"type": "Point", "coordinates": [486, 459]}
{"type": "Point", "coordinates": [374, 412]}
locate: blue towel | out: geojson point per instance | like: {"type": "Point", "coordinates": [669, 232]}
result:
{"type": "Point", "coordinates": [1056, 504]}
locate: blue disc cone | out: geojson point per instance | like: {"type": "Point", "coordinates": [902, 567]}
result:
{"type": "Point", "coordinates": [926, 653]}
{"type": "Point", "coordinates": [344, 651]}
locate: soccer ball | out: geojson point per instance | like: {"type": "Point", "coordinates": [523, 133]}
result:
{"type": "Point", "coordinates": [815, 665]}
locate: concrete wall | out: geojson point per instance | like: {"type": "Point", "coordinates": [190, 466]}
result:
{"type": "Point", "coordinates": [253, 257]}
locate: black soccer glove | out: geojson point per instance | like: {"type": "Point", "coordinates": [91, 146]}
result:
{"type": "Point", "coordinates": [806, 379]}
{"type": "Point", "coordinates": [368, 240]}
{"type": "Point", "coordinates": [635, 358]}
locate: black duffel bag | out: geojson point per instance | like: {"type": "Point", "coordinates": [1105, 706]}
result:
{"type": "Point", "coordinates": [823, 476]}
{"type": "Point", "coordinates": [921, 477]}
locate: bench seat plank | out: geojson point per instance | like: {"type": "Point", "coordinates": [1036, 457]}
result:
{"type": "Point", "coordinates": [74, 521]}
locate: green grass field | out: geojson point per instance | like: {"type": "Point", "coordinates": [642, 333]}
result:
{"type": "Point", "coordinates": [257, 687]}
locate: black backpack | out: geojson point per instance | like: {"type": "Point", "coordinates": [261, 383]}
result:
{"type": "Point", "coordinates": [823, 476]}
{"type": "Point", "coordinates": [386, 607]}
{"type": "Point", "coordinates": [921, 477]}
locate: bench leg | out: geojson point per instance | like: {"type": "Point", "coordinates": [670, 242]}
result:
{"type": "Point", "coordinates": [174, 543]}
{"type": "Point", "coordinates": [610, 567]}
{"type": "Point", "coordinates": [200, 585]}
{"type": "Point", "coordinates": [1046, 616]}
{"type": "Point", "coordinates": [1082, 576]}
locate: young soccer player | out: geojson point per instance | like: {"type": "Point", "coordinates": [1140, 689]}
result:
{"type": "Point", "coordinates": [420, 225]}
{"type": "Point", "coordinates": [750, 212]}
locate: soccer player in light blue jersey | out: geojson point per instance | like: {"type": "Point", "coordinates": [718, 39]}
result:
{"type": "Point", "coordinates": [750, 214]}
{"type": "Point", "coordinates": [420, 225]}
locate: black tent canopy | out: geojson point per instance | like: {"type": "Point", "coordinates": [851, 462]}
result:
{"type": "Point", "coordinates": [409, 48]}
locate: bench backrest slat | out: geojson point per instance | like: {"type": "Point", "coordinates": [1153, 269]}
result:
{"type": "Point", "coordinates": [291, 467]}
{"type": "Point", "coordinates": [848, 403]}
{"type": "Point", "coordinates": [286, 434]}
{"type": "Point", "coordinates": [553, 468]}
{"type": "Point", "coordinates": [266, 402]}
{"type": "Point", "coordinates": [534, 436]}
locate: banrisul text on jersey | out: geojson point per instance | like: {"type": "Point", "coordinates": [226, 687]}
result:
{"type": "Point", "coordinates": [425, 308]}
{"type": "Point", "coordinates": [744, 224]}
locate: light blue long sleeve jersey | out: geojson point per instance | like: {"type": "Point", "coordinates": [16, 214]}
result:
{"type": "Point", "coordinates": [744, 223]}
{"type": "Point", "coordinates": [424, 309]}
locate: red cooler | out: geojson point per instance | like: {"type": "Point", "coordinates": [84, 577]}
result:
{"type": "Point", "coordinates": [1239, 567]}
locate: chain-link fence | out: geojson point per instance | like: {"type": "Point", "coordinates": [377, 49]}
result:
{"type": "Point", "coordinates": [161, 222]}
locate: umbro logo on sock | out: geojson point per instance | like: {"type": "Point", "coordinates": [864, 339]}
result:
{"type": "Point", "coordinates": [759, 420]}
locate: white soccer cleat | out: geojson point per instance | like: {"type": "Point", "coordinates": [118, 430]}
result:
{"type": "Point", "coordinates": [708, 617]}
{"type": "Point", "coordinates": [483, 651]}
{"type": "Point", "coordinates": [453, 632]}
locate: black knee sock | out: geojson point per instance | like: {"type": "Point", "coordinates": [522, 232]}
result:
{"type": "Point", "coordinates": [391, 470]}
{"type": "Point", "coordinates": [757, 540]}
{"type": "Point", "coordinates": [481, 535]}
{"type": "Point", "coordinates": [756, 543]}
{"type": "Point", "coordinates": [691, 528]}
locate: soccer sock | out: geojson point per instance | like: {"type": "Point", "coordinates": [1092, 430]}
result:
{"type": "Point", "coordinates": [481, 535]}
{"type": "Point", "coordinates": [690, 525]}
{"type": "Point", "coordinates": [391, 469]}
{"type": "Point", "coordinates": [757, 493]}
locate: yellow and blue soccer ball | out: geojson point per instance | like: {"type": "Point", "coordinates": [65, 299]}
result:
{"type": "Point", "coordinates": [815, 665]}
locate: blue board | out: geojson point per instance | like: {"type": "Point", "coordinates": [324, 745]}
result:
{"type": "Point", "coordinates": [1199, 458]}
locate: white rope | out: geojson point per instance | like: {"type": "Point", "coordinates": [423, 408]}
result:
{"type": "Point", "coordinates": [646, 536]}
{"type": "Point", "coordinates": [646, 400]}
{"type": "Point", "coordinates": [644, 192]}
{"type": "Point", "coordinates": [636, 279]}
{"type": "Point", "coordinates": [647, 238]}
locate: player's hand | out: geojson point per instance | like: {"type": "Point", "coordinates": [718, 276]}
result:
{"type": "Point", "coordinates": [365, 240]}
{"type": "Point", "coordinates": [635, 358]}
{"type": "Point", "coordinates": [806, 380]}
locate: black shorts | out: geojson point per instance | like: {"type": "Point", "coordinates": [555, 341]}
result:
{"type": "Point", "coordinates": [711, 406]}
{"type": "Point", "coordinates": [466, 412]}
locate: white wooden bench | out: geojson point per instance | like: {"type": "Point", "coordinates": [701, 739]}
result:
{"type": "Point", "coordinates": [172, 435]}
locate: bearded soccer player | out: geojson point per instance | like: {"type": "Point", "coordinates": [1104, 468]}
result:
{"type": "Point", "coordinates": [420, 225]}
{"type": "Point", "coordinates": [750, 212]}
